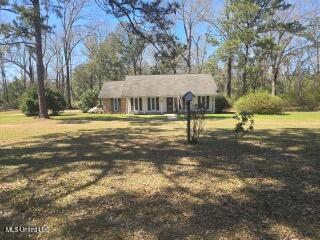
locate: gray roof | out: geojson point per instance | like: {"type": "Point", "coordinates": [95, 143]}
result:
{"type": "Point", "coordinates": [111, 89]}
{"type": "Point", "coordinates": [160, 85]}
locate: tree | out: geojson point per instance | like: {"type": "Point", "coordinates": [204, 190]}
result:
{"type": "Point", "coordinates": [192, 13]}
{"type": "Point", "coordinates": [133, 50]}
{"type": "Point", "coordinates": [169, 56]}
{"type": "Point", "coordinates": [29, 102]}
{"type": "Point", "coordinates": [70, 15]}
{"type": "Point", "coordinates": [277, 43]}
{"type": "Point", "coordinates": [149, 20]}
{"type": "Point", "coordinates": [228, 44]}
{"type": "Point", "coordinates": [4, 79]}
{"type": "Point", "coordinates": [110, 59]}
{"type": "Point", "coordinates": [27, 29]}
{"type": "Point", "coordinates": [312, 33]}
{"type": "Point", "coordinates": [88, 99]}
{"type": "Point", "coordinates": [37, 22]}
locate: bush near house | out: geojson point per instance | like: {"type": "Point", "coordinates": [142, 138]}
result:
{"type": "Point", "coordinates": [222, 104]}
{"type": "Point", "coordinates": [261, 103]}
{"type": "Point", "coordinates": [88, 99]}
{"type": "Point", "coordinates": [30, 106]}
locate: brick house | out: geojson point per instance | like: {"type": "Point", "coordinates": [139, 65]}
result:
{"type": "Point", "coordinates": [158, 94]}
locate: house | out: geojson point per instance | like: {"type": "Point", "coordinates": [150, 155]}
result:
{"type": "Point", "coordinates": [157, 94]}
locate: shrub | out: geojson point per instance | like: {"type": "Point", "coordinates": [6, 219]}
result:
{"type": "Point", "coordinates": [305, 102]}
{"type": "Point", "coordinates": [30, 106]}
{"type": "Point", "coordinates": [260, 102]}
{"type": "Point", "coordinates": [244, 124]}
{"type": "Point", "coordinates": [29, 102]}
{"type": "Point", "coordinates": [55, 101]}
{"type": "Point", "coordinates": [88, 99]}
{"type": "Point", "coordinates": [222, 103]}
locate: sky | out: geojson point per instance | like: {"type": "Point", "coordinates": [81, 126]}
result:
{"type": "Point", "coordinates": [108, 23]}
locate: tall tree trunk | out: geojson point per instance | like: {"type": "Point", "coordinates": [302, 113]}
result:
{"type": "Point", "coordinates": [135, 67]}
{"type": "Point", "coordinates": [189, 52]}
{"type": "Point", "coordinates": [229, 77]}
{"type": "Point", "coordinates": [317, 79]}
{"type": "Point", "coordinates": [244, 74]}
{"type": "Point", "coordinates": [62, 86]}
{"type": "Point", "coordinates": [23, 71]}
{"type": "Point", "coordinates": [275, 72]}
{"type": "Point", "coordinates": [31, 70]}
{"type": "Point", "coordinates": [67, 61]}
{"type": "Point", "coordinates": [189, 43]}
{"type": "Point", "coordinates": [4, 82]}
{"type": "Point", "coordinates": [140, 64]}
{"type": "Point", "coordinates": [43, 111]}
{"type": "Point", "coordinates": [300, 78]}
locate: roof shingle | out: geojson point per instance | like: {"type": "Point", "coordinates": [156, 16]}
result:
{"type": "Point", "coordinates": [111, 89]}
{"type": "Point", "coordinates": [160, 85]}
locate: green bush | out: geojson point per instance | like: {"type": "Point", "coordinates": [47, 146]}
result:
{"type": "Point", "coordinates": [30, 106]}
{"type": "Point", "coordinates": [55, 101]}
{"type": "Point", "coordinates": [88, 99]}
{"type": "Point", "coordinates": [260, 102]}
{"type": "Point", "coordinates": [222, 103]}
{"type": "Point", "coordinates": [29, 102]}
{"type": "Point", "coordinates": [306, 102]}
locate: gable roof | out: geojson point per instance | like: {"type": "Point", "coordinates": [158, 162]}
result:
{"type": "Point", "coordinates": [160, 85]}
{"type": "Point", "coordinates": [111, 89]}
{"type": "Point", "coordinates": [168, 85]}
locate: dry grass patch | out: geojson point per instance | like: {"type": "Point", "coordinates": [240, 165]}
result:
{"type": "Point", "coordinates": [137, 179]}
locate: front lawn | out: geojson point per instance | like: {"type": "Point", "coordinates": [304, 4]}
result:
{"type": "Point", "coordinates": [133, 177]}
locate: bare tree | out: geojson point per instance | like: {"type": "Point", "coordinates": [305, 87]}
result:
{"type": "Point", "coordinates": [71, 17]}
{"type": "Point", "coordinates": [4, 78]}
{"type": "Point", "coordinates": [191, 14]}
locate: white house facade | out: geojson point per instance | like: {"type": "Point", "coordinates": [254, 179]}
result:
{"type": "Point", "coordinates": [158, 94]}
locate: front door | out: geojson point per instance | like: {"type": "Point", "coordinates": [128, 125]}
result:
{"type": "Point", "coordinates": [169, 104]}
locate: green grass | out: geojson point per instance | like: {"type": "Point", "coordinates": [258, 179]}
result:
{"type": "Point", "coordinates": [134, 177]}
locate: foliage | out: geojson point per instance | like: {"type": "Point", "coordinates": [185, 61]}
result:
{"type": "Point", "coordinates": [110, 59]}
{"type": "Point", "coordinates": [29, 102]}
{"type": "Point", "coordinates": [149, 20]}
{"type": "Point", "coordinates": [306, 101]}
{"type": "Point", "coordinates": [260, 102]}
{"type": "Point", "coordinates": [244, 124]}
{"type": "Point", "coordinates": [88, 99]}
{"type": "Point", "coordinates": [85, 76]}
{"type": "Point", "coordinates": [222, 103]}
{"type": "Point", "coordinates": [30, 105]}
{"type": "Point", "coordinates": [15, 91]}
{"type": "Point", "coordinates": [55, 101]}
{"type": "Point", "coordinates": [197, 122]}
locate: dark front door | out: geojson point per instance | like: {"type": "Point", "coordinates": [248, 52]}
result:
{"type": "Point", "coordinates": [169, 104]}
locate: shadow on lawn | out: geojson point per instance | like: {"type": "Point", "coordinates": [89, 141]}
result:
{"type": "Point", "coordinates": [278, 172]}
{"type": "Point", "coordinates": [152, 120]}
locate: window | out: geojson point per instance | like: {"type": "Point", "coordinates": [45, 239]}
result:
{"type": "Point", "coordinates": [140, 104]}
{"type": "Point", "coordinates": [207, 102]}
{"type": "Point", "coordinates": [203, 102]}
{"type": "Point", "coordinates": [132, 105]}
{"type": "Point", "coordinates": [157, 104]}
{"type": "Point", "coordinates": [153, 104]}
{"type": "Point", "coordinates": [136, 104]}
{"type": "Point", "coordinates": [182, 104]}
{"type": "Point", "coordinates": [116, 104]}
